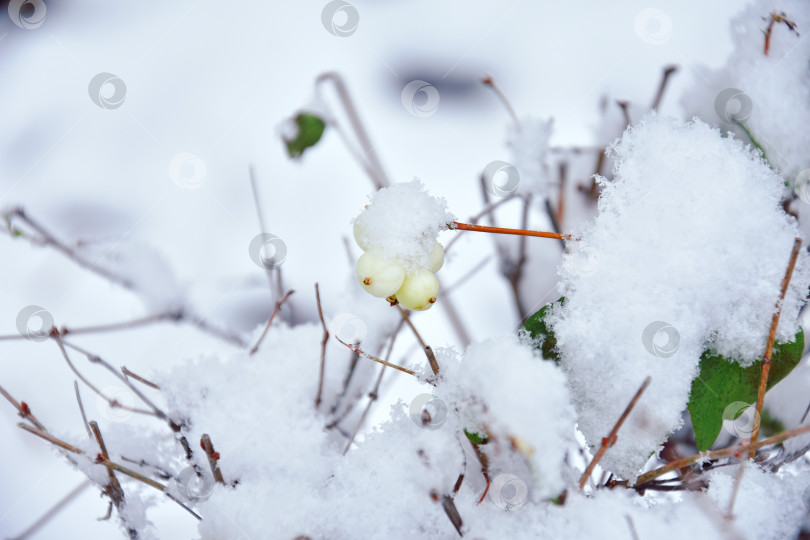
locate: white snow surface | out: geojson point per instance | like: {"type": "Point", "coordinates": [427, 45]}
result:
{"type": "Point", "coordinates": [690, 248]}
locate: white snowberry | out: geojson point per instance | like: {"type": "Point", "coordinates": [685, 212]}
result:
{"type": "Point", "coordinates": [419, 291]}
{"type": "Point", "coordinates": [378, 276]}
{"type": "Point", "coordinates": [360, 235]}
{"type": "Point", "coordinates": [436, 257]}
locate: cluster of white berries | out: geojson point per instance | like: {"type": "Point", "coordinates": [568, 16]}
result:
{"type": "Point", "coordinates": [386, 278]}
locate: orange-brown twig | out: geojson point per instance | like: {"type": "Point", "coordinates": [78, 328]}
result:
{"type": "Point", "coordinates": [456, 225]}
{"type": "Point", "coordinates": [610, 440]}
{"type": "Point", "coordinates": [766, 360]}
{"type": "Point", "coordinates": [731, 451]}
{"type": "Point", "coordinates": [777, 18]}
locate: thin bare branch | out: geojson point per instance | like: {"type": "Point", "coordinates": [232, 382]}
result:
{"type": "Point", "coordinates": [431, 359]}
{"type": "Point", "coordinates": [610, 440]}
{"type": "Point", "coordinates": [490, 82]}
{"type": "Point", "coordinates": [378, 360]}
{"type": "Point", "coordinates": [81, 408]}
{"type": "Point", "coordinates": [213, 458]}
{"type": "Point", "coordinates": [23, 410]}
{"type": "Point", "coordinates": [270, 322]}
{"type": "Point", "coordinates": [375, 169]}
{"type": "Point", "coordinates": [731, 451]}
{"type": "Point", "coordinates": [54, 510]}
{"type": "Point", "coordinates": [138, 378]}
{"type": "Point", "coordinates": [668, 72]}
{"type": "Point", "coordinates": [323, 347]}
{"type": "Point", "coordinates": [374, 394]}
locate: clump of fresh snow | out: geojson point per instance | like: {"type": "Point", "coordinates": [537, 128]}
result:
{"type": "Point", "coordinates": [529, 143]}
{"type": "Point", "coordinates": [383, 488]}
{"type": "Point", "coordinates": [768, 504]}
{"type": "Point", "coordinates": [772, 97]}
{"type": "Point", "coordinates": [503, 388]}
{"type": "Point", "coordinates": [688, 252]}
{"type": "Point", "coordinates": [402, 223]}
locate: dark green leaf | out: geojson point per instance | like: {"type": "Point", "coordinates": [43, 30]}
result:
{"type": "Point", "coordinates": [310, 128]}
{"type": "Point", "coordinates": [722, 382]}
{"type": "Point", "coordinates": [541, 334]}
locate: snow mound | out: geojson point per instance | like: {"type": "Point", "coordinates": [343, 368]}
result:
{"type": "Point", "coordinates": [688, 252]}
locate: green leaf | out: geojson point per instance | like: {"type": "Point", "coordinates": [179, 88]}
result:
{"type": "Point", "coordinates": [476, 438]}
{"type": "Point", "coordinates": [310, 128]}
{"type": "Point", "coordinates": [542, 334]}
{"type": "Point", "coordinates": [722, 382]}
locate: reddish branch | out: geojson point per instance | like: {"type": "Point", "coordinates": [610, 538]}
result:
{"type": "Point", "coordinates": [610, 440]}
{"type": "Point", "coordinates": [213, 457]}
{"type": "Point", "coordinates": [777, 18]}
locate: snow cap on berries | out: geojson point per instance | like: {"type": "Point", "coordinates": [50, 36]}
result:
{"type": "Point", "coordinates": [401, 224]}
